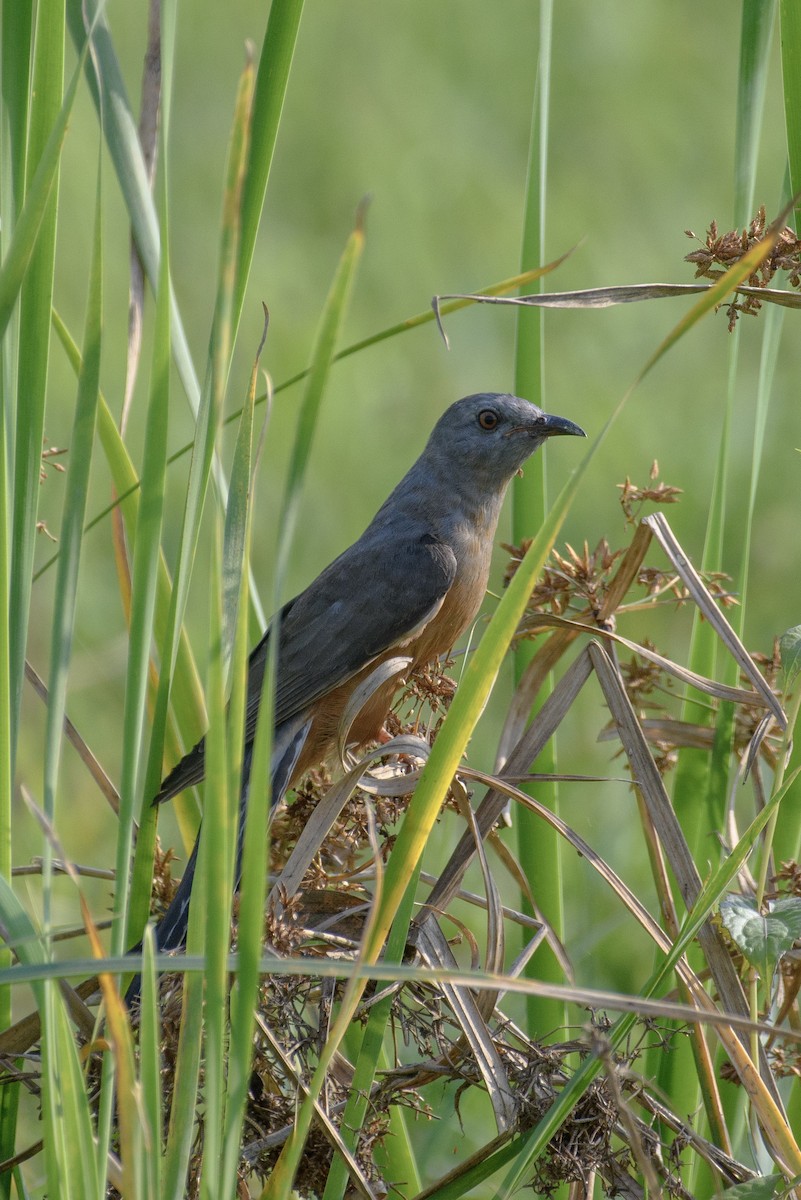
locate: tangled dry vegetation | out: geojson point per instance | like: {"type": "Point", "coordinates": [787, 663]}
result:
{"type": "Point", "coordinates": [620, 1131]}
{"type": "Point", "coordinates": [329, 843]}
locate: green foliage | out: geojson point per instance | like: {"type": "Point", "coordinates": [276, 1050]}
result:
{"type": "Point", "coordinates": [489, 142]}
{"type": "Point", "coordinates": [763, 937]}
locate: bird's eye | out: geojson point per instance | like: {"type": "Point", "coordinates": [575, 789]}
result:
{"type": "Point", "coordinates": [488, 419]}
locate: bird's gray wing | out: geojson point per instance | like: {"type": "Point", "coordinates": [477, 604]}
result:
{"type": "Point", "coordinates": [369, 599]}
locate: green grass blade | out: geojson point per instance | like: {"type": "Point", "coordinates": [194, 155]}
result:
{"type": "Point", "coordinates": [68, 1134]}
{"type": "Point", "coordinates": [144, 583]}
{"type": "Point", "coordinates": [208, 423]}
{"type": "Point", "coordinates": [254, 865]}
{"type": "Point", "coordinates": [334, 310]}
{"type": "Point", "coordinates": [150, 1069]}
{"type": "Point", "coordinates": [539, 849]}
{"type": "Point", "coordinates": [34, 322]}
{"type": "Point", "coordinates": [81, 445]}
{"type": "Point", "coordinates": [20, 250]}
{"type": "Point", "coordinates": [268, 101]}
{"type": "Point", "coordinates": [791, 85]}
{"type": "Point", "coordinates": [755, 45]}
{"type": "Point", "coordinates": [215, 863]}
{"type": "Point", "coordinates": [55, 1029]}
{"type": "Point", "coordinates": [15, 64]}
{"type": "Point", "coordinates": [188, 707]}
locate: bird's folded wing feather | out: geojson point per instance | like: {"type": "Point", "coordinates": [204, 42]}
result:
{"type": "Point", "coordinates": [367, 601]}
{"type": "Point", "coordinates": [362, 605]}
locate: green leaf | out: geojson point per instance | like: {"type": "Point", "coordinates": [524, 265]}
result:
{"type": "Point", "coordinates": [790, 650]}
{"type": "Point", "coordinates": [764, 1187]}
{"type": "Point", "coordinates": [763, 938]}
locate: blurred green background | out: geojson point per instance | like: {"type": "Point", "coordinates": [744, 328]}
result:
{"type": "Point", "coordinates": [427, 108]}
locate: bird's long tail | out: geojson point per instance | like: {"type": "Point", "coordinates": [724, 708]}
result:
{"type": "Point", "coordinates": [172, 928]}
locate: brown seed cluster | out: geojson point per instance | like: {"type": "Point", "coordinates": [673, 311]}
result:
{"type": "Point", "coordinates": [720, 251]}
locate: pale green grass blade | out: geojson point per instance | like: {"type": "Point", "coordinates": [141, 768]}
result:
{"type": "Point", "coordinates": [19, 253]}
{"type": "Point", "coordinates": [82, 446]}
{"type": "Point", "coordinates": [272, 82]}
{"type": "Point", "coordinates": [68, 1134]}
{"type": "Point", "coordinates": [68, 1142]}
{"type": "Point", "coordinates": [34, 321]}
{"type": "Point", "coordinates": [208, 423]}
{"type": "Point", "coordinates": [144, 584]}
{"type": "Point", "coordinates": [254, 865]}
{"type": "Point", "coordinates": [336, 305]}
{"type": "Point", "coordinates": [235, 537]}
{"type": "Point", "coordinates": [273, 76]}
{"type": "Point", "coordinates": [539, 849]}
{"type": "Point", "coordinates": [119, 125]}
{"type": "Point", "coordinates": [181, 1131]}
{"type": "Point", "coordinates": [324, 350]}
{"type": "Point", "coordinates": [150, 1068]}
{"type": "Point", "coordinates": [15, 64]}
{"type": "Point", "coordinates": [755, 38]}
{"type": "Point", "coordinates": [791, 84]}
{"type": "Point", "coordinates": [787, 841]}
{"type": "Point", "coordinates": [16, 28]}
{"type": "Point", "coordinates": [188, 707]}
{"type": "Point", "coordinates": [215, 863]}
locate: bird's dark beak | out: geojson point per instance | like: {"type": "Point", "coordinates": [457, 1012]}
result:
{"type": "Point", "coordinates": [549, 426]}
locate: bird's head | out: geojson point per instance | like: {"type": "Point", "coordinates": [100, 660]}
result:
{"type": "Point", "coordinates": [490, 435]}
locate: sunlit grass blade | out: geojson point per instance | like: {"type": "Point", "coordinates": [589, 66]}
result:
{"type": "Point", "coordinates": [468, 703]}
{"type": "Point", "coordinates": [465, 709]}
{"type": "Point", "coordinates": [538, 848]}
